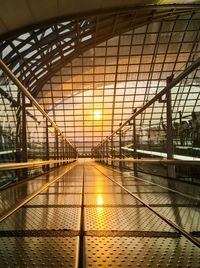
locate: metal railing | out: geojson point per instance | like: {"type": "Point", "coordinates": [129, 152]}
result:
{"type": "Point", "coordinates": [30, 141]}
{"type": "Point", "coordinates": [128, 147]}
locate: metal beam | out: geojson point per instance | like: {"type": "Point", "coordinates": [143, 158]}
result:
{"type": "Point", "coordinates": [10, 74]}
{"type": "Point", "coordinates": [155, 161]}
{"type": "Point", "coordinates": [170, 149]}
{"type": "Point", "coordinates": [12, 166]}
{"type": "Point", "coordinates": [158, 96]}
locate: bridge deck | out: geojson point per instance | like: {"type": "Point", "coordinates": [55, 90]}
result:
{"type": "Point", "coordinates": [86, 219]}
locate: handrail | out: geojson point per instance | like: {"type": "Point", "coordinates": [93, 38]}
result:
{"type": "Point", "coordinates": [173, 83]}
{"type": "Point", "coordinates": [154, 161]}
{"type": "Point", "coordinates": [13, 166]}
{"type": "Point", "coordinates": [15, 80]}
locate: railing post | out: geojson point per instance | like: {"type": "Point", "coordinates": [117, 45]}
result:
{"type": "Point", "coordinates": [70, 153]}
{"type": "Point", "coordinates": [120, 148]}
{"type": "Point", "coordinates": [170, 168]}
{"type": "Point", "coordinates": [56, 148]}
{"type": "Point", "coordinates": [112, 150]}
{"type": "Point", "coordinates": [47, 144]}
{"type": "Point", "coordinates": [24, 153]}
{"type": "Point", "coordinates": [103, 153]}
{"type": "Point", "coordinates": [107, 151]}
{"type": "Point", "coordinates": [62, 151]}
{"type": "Point", "coordinates": [135, 144]}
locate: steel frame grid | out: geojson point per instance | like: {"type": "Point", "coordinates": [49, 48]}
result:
{"type": "Point", "coordinates": [122, 102]}
{"type": "Point", "coordinates": [45, 40]}
{"type": "Point", "coordinates": [148, 35]}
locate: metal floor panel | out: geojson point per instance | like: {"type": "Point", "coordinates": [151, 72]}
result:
{"type": "Point", "coordinates": [110, 199]}
{"type": "Point", "coordinates": [124, 219]}
{"type": "Point", "coordinates": [96, 183]}
{"type": "Point", "coordinates": [132, 183]}
{"type": "Point", "coordinates": [74, 174]}
{"type": "Point", "coordinates": [64, 190]}
{"type": "Point", "coordinates": [12, 195]}
{"type": "Point", "coordinates": [174, 184]}
{"type": "Point", "coordinates": [39, 252]}
{"type": "Point", "coordinates": [66, 184]}
{"type": "Point", "coordinates": [71, 179]}
{"type": "Point", "coordinates": [166, 198]}
{"type": "Point", "coordinates": [103, 189]}
{"type": "Point", "coordinates": [94, 179]}
{"type": "Point", "coordinates": [56, 199]}
{"type": "Point", "coordinates": [101, 224]}
{"type": "Point", "coordinates": [146, 189]}
{"type": "Point", "coordinates": [43, 218]}
{"type": "Point", "coordinates": [186, 217]}
{"type": "Point", "coordinates": [140, 252]}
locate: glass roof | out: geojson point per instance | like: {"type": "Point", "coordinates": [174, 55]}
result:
{"type": "Point", "coordinates": [90, 96]}
{"type": "Point", "coordinates": [90, 74]}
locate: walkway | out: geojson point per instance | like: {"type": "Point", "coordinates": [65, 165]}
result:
{"type": "Point", "coordinates": [86, 219]}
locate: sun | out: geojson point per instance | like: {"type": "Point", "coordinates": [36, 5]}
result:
{"type": "Point", "coordinates": [97, 115]}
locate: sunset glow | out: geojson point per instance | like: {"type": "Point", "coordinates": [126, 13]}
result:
{"type": "Point", "coordinates": [97, 115]}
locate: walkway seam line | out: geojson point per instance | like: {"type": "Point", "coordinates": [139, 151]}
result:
{"type": "Point", "coordinates": [31, 196]}
{"type": "Point", "coordinates": [153, 183]}
{"type": "Point", "coordinates": [172, 224]}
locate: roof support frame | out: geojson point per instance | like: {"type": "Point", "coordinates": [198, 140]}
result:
{"type": "Point", "coordinates": [158, 96]}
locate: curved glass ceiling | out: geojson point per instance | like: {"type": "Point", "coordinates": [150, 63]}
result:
{"type": "Point", "coordinates": [92, 95]}
{"type": "Point", "coordinates": [90, 74]}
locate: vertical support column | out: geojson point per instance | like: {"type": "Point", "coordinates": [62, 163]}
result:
{"type": "Point", "coordinates": [56, 148]}
{"type": "Point", "coordinates": [24, 153]}
{"type": "Point", "coordinates": [100, 154]}
{"type": "Point", "coordinates": [103, 152]}
{"type": "Point", "coordinates": [66, 152]}
{"type": "Point", "coordinates": [170, 168]}
{"type": "Point", "coordinates": [74, 154]}
{"type": "Point", "coordinates": [70, 153]}
{"type": "Point", "coordinates": [112, 150]}
{"type": "Point", "coordinates": [120, 147]}
{"type": "Point", "coordinates": [107, 151]}
{"type": "Point", "coordinates": [47, 144]}
{"type": "Point", "coordinates": [97, 154]}
{"type": "Point", "coordinates": [134, 144]}
{"type": "Point", "coordinates": [63, 151]}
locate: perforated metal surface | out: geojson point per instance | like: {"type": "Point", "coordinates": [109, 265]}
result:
{"type": "Point", "coordinates": [132, 183]}
{"type": "Point", "coordinates": [129, 234]}
{"type": "Point", "coordinates": [187, 218]}
{"type": "Point", "coordinates": [128, 219]}
{"type": "Point", "coordinates": [70, 179]}
{"type": "Point", "coordinates": [104, 189]}
{"type": "Point", "coordinates": [64, 190]}
{"type": "Point", "coordinates": [166, 198]}
{"type": "Point", "coordinates": [75, 173]}
{"type": "Point", "coordinates": [110, 199]}
{"type": "Point", "coordinates": [39, 252]}
{"type": "Point", "coordinates": [56, 199]}
{"type": "Point", "coordinates": [140, 252]}
{"type": "Point", "coordinates": [67, 184]}
{"type": "Point", "coordinates": [146, 189]}
{"type": "Point", "coordinates": [43, 218]}
{"type": "Point", "coordinates": [96, 183]}
{"type": "Point", "coordinates": [10, 196]}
